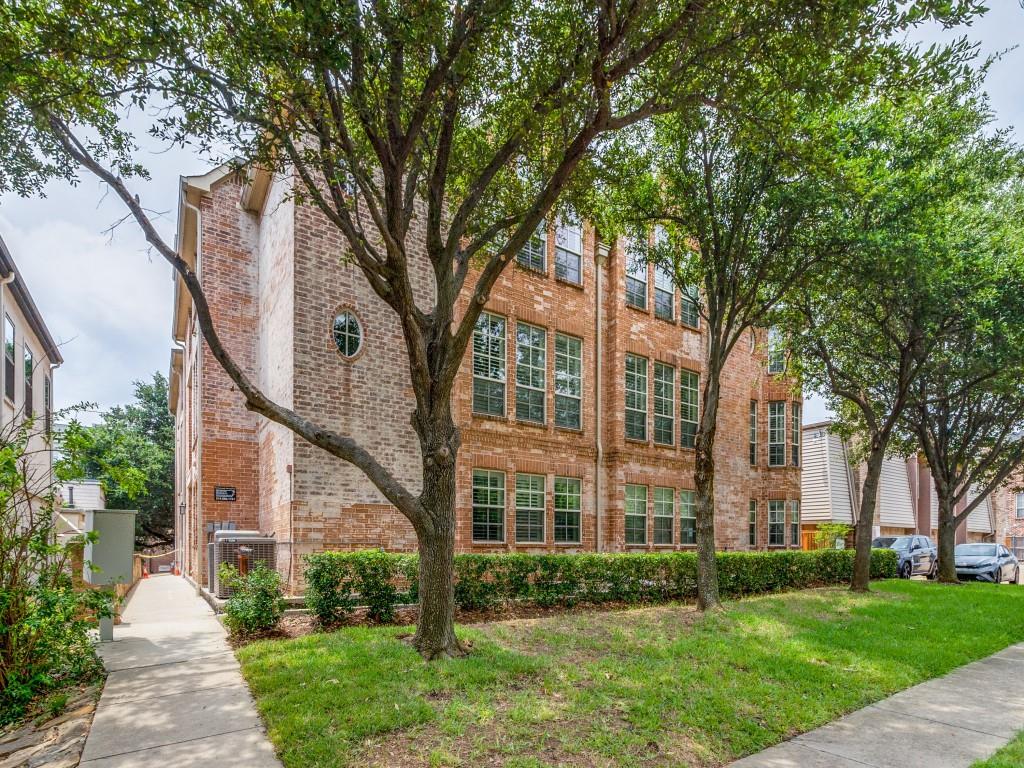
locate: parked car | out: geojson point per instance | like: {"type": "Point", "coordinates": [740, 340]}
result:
{"type": "Point", "coordinates": [917, 554]}
{"type": "Point", "coordinates": [986, 562]}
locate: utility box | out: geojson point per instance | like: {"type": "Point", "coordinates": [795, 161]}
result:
{"type": "Point", "coordinates": [113, 551]}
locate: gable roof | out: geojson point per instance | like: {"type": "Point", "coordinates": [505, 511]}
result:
{"type": "Point", "coordinates": [28, 307]}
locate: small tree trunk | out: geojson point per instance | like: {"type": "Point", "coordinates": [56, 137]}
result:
{"type": "Point", "coordinates": [947, 540]}
{"type": "Point", "coordinates": [435, 632]}
{"type": "Point", "coordinates": [704, 478]}
{"type": "Point", "coordinates": [862, 539]}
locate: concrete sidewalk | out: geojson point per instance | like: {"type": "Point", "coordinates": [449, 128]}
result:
{"type": "Point", "coordinates": [948, 722]}
{"type": "Point", "coordinates": [174, 694]}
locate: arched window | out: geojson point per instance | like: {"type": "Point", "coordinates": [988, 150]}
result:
{"type": "Point", "coordinates": [348, 334]}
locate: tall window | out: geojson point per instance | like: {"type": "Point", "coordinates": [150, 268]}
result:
{"type": "Point", "coordinates": [687, 518]}
{"type": "Point", "coordinates": [9, 358]}
{"type": "Point", "coordinates": [568, 495]}
{"type": "Point", "coordinates": [568, 381]}
{"type": "Point", "coordinates": [795, 437]}
{"type": "Point", "coordinates": [752, 524]}
{"type": "Point", "coordinates": [664, 404]}
{"type": "Point", "coordinates": [753, 433]}
{"type": "Point", "coordinates": [794, 523]}
{"type": "Point", "coordinates": [1020, 506]}
{"type": "Point", "coordinates": [531, 372]}
{"type": "Point", "coordinates": [664, 515]}
{"type": "Point", "coordinates": [776, 523]}
{"type": "Point", "coordinates": [776, 351]}
{"type": "Point", "coordinates": [777, 434]}
{"type": "Point", "coordinates": [489, 365]}
{"type": "Point", "coordinates": [636, 514]}
{"type": "Point", "coordinates": [636, 276]}
{"type": "Point", "coordinates": [688, 310]}
{"type": "Point", "coordinates": [636, 397]}
{"type": "Point", "coordinates": [534, 253]}
{"type": "Point", "coordinates": [529, 508]}
{"type": "Point", "coordinates": [569, 253]}
{"type": "Point", "coordinates": [488, 505]}
{"type": "Point", "coordinates": [48, 404]}
{"type": "Point", "coordinates": [664, 293]}
{"type": "Point", "coordinates": [689, 387]}
{"type": "Point", "coordinates": [29, 370]}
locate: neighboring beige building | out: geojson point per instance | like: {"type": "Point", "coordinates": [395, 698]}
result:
{"type": "Point", "coordinates": [30, 357]}
{"type": "Point", "coordinates": [830, 489]}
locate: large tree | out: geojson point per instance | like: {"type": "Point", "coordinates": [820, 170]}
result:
{"type": "Point", "coordinates": [737, 210]}
{"type": "Point", "coordinates": [131, 452]}
{"type": "Point", "coordinates": [968, 412]}
{"type": "Point", "coordinates": [867, 327]}
{"type": "Point", "coordinates": [451, 125]}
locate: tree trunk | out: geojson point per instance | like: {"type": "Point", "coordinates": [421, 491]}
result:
{"type": "Point", "coordinates": [947, 540]}
{"type": "Point", "coordinates": [868, 497]}
{"type": "Point", "coordinates": [704, 480]}
{"type": "Point", "coordinates": [435, 632]}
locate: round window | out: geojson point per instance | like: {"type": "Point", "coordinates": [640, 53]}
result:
{"type": "Point", "coordinates": [348, 334]}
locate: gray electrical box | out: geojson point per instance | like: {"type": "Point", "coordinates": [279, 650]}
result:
{"type": "Point", "coordinates": [112, 552]}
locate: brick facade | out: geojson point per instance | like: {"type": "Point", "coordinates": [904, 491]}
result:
{"type": "Point", "coordinates": [276, 276]}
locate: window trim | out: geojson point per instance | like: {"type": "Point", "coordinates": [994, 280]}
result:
{"type": "Point", "coordinates": [561, 246]}
{"type": "Point", "coordinates": [1019, 506]}
{"type": "Point", "coordinates": [633, 273]}
{"type": "Point", "coordinates": [752, 523]}
{"type": "Point", "coordinates": [10, 359]}
{"type": "Point", "coordinates": [543, 390]}
{"type": "Point", "coordinates": [338, 312]}
{"type": "Point", "coordinates": [503, 507]}
{"type": "Point", "coordinates": [776, 354]}
{"type": "Point", "coordinates": [779, 431]}
{"type": "Point", "coordinates": [687, 440]}
{"type": "Point", "coordinates": [543, 508]}
{"type": "Point", "coordinates": [663, 276]}
{"type": "Point", "coordinates": [796, 427]}
{"type": "Point", "coordinates": [636, 392]}
{"type": "Point", "coordinates": [777, 525]}
{"type": "Point", "coordinates": [687, 500]}
{"type": "Point", "coordinates": [794, 523]}
{"type": "Point", "coordinates": [539, 234]}
{"type": "Point", "coordinates": [28, 407]}
{"type": "Point", "coordinates": [670, 401]}
{"type": "Point", "coordinates": [627, 514]}
{"type": "Point", "coordinates": [689, 308]}
{"type": "Point", "coordinates": [659, 514]}
{"type": "Point", "coordinates": [487, 317]}
{"type": "Point", "coordinates": [578, 495]}
{"type": "Point", "coordinates": [753, 433]}
{"type": "Point", "coordinates": [578, 398]}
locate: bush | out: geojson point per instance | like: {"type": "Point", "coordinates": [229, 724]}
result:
{"type": "Point", "coordinates": [338, 581]}
{"type": "Point", "coordinates": [256, 603]}
{"type": "Point", "coordinates": [44, 619]}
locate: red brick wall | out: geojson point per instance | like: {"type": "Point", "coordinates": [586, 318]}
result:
{"type": "Point", "coordinates": [276, 291]}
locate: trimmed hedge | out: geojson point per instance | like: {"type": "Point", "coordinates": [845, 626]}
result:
{"type": "Point", "coordinates": [338, 581]}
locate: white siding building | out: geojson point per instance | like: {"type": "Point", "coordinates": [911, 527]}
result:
{"type": "Point", "coordinates": [830, 489]}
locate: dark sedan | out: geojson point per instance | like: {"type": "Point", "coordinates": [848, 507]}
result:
{"type": "Point", "coordinates": [917, 554]}
{"type": "Point", "coordinates": [986, 562]}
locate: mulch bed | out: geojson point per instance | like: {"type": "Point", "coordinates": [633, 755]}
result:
{"type": "Point", "coordinates": [294, 625]}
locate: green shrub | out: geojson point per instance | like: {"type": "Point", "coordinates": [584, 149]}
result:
{"type": "Point", "coordinates": [256, 603]}
{"type": "Point", "coordinates": [44, 619]}
{"type": "Point", "coordinates": [338, 581]}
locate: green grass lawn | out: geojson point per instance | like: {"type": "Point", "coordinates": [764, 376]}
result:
{"type": "Point", "coordinates": [651, 686]}
{"type": "Point", "coordinates": [1010, 756]}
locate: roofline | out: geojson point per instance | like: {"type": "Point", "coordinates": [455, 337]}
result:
{"type": "Point", "coordinates": [816, 425]}
{"type": "Point", "coordinates": [21, 294]}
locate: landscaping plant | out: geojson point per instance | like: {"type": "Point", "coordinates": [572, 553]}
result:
{"type": "Point", "coordinates": [44, 618]}
{"type": "Point", "coordinates": [256, 603]}
{"type": "Point", "coordinates": [337, 582]}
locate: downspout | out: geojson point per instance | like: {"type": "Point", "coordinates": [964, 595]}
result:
{"type": "Point", "coordinates": [600, 259]}
{"type": "Point", "coordinates": [197, 400]}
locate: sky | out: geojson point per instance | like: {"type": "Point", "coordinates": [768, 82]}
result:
{"type": "Point", "coordinates": [107, 300]}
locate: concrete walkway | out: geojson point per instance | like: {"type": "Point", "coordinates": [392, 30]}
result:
{"type": "Point", "coordinates": [948, 722]}
{"type": "Point", "coordinates": [174, 694]}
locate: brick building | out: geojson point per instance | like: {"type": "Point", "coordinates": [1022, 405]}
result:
{"type": "Point", "coordinates": [576, 402]}
{"type": "Point", "coordinates": [1008, 502]}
